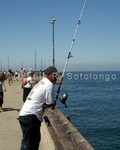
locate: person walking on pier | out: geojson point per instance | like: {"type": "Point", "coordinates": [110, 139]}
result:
{"type": "Point", "coordinates": [30, 117]}
{"type": "Point", "coordinates": [28, 85]}
{"type": "Point", "coordinates": [9, 76]}
{"type": "Point", "coordinates": [16, 76]}
{"type": "Point", "coordinates": [2, 90]}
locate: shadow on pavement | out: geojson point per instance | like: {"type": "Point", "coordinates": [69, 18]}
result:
{"type": "Point", "coordinates": [10, 109]}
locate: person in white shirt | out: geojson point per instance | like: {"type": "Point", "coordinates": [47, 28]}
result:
{"type": "Point", "coordinates": [28, 86]}
{"type": "Point", "coordinates": [16, 76]}
{"type": "Point", "coordinates": [30, 117]}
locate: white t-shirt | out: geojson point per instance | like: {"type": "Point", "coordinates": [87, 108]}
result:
{"type": "Point", "coordinates": [41, 93]}
{"type": "Point", "coordinates": [28, 85]}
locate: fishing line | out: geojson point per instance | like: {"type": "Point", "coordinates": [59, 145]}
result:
{"type": "Point", "coordinates": [69, 54]}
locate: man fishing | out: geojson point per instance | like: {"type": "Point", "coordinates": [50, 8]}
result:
{"type": "Point", "coordinates": [30, 117]}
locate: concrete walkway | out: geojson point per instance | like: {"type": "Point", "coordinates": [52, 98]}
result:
{"type": "Point", "coordinates": [10, 132]}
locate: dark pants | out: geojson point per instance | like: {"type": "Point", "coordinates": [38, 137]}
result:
{"type": "Point", "coordinates": [26, 91]}
{"type": "Point", "coordinates": [1, 98]}
{"type": "Point", "coordinates": [30, 127]}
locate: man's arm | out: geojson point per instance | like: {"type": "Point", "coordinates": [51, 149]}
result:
{"type": "Point", "coordinates": [47, 105]}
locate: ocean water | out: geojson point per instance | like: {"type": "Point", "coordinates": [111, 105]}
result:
{"type": "Point", "coordinates": [94, 106]}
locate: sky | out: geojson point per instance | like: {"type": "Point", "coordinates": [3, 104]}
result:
{"type": "Point", "coordinates": [26, 34]}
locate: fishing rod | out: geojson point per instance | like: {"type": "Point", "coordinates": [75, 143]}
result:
{"type": "Point", "coordinates": [65, 95]}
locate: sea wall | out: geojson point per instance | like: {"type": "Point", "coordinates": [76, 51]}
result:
{"type": "Point", "coordinates": [62, 135]}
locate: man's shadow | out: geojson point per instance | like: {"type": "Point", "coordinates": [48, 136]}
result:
{"type": "Point", "coordinates": [10, 109]}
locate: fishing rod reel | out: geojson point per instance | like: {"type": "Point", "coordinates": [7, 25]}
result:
{"type": "Point", "coordinates": [63, 99]}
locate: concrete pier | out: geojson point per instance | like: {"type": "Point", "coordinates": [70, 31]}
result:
{"type": "Point", "coordinates": [10, 132]}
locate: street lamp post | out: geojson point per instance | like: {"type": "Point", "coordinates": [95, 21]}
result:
{"type": "Point", "coordinates": [41, 64]}
{"type": "Point", "coordinates": [21, 64]}
{"type": "Point", "coordinates": [1, 64]}
{"type": "Point", "coordinates": [35, 60]}
{"type": "Point", "coordinates": [52, 22]}
{"type": "Point", "coordinates": [8, 63]}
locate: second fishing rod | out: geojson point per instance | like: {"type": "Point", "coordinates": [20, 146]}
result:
{"type": "Point", "coordinates": [65, 95]}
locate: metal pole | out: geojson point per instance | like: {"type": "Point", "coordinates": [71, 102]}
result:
{"type": "Point", "coordinates": [21, 64]}
{"type": "Point", "coordinates": [1, 64]}
{"type": "Point", "coordinates": [44, 64]}
{"type": "Point", "coordinates": [35, 60]}
{"type": "Point", "coordinates": [41, 63]}
{"type": "Point", "coordinates": [8, 63]}
{"type": "Point", "coordinates": [52, 22]}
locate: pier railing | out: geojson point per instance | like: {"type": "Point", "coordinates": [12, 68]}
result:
{"type": "Point", "coordinates": [62, 134]}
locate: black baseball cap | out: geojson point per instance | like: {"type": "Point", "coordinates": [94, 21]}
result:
{"type": "Point", "coordinates": [50, 70]}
